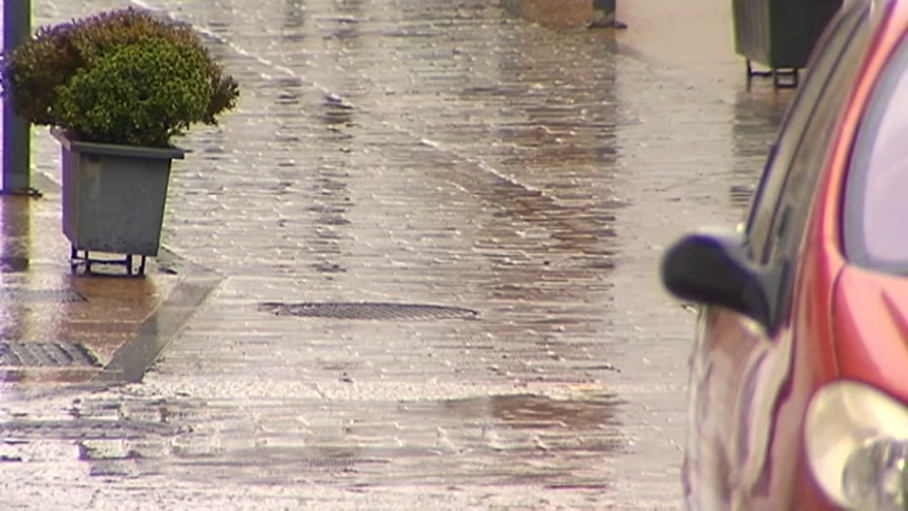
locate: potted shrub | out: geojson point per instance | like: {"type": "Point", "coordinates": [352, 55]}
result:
{"type": "Point", "coordinates": [115, 89]}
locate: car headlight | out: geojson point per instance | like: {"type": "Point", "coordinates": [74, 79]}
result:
{"type": "Point", "coordinates": [857, 444]}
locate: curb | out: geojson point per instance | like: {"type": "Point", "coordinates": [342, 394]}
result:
{"type": "Point", "coordinates": [132, 360]}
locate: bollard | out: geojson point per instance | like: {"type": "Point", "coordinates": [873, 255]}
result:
{"type": "Point", "coordinates": [16, 134]}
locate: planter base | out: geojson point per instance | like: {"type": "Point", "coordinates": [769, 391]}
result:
{"type": "Point", "coordinates": [85, 261]}
{"type": "Point", "coordinates": [782, 78]}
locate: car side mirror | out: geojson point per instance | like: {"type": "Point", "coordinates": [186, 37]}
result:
{"type": "Point", "coordinates": [716, 269]}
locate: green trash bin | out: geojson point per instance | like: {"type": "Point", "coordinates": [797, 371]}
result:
{"type": "Point", "coordinates": [780, 34]}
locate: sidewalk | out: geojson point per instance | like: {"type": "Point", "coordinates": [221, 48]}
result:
{"type": "Point", "coordinates": [59, 326]}
{"type": "Point", "coordinates": [659, 33]}
{"type": "Point", "coordinates": [693, 39]}
{"type": "Point", "coordinates": [441, 295]}
{"type": "Point", "coordinates": [695, 35]}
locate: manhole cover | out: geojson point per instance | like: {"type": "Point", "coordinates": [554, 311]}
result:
{"type": "Point", "coordinates": [45, 354]}
{"type": "Point", "coordinates": [341, 310]}
{"type": "Point", "coordinates": [15, 294]}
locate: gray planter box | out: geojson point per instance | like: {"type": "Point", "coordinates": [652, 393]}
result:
{"type": "Point", "coordinates": [780, 34]}
{"type": "Point", "coordinates": [113, 196]}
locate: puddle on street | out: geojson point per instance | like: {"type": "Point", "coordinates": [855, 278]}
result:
{"type": "Point", "coordinates": [15, 229]}
{"type": "Point", "coordinates": [501, 439]}
{"type": "Point", "coordinates": [758, 115]}
{"type": "Point", "coordinates": [529, 411]}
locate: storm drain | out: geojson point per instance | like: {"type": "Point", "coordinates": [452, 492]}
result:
{"type": "Point", "coordinates": [45, 354]}
{"type": "Point", "coordinates": [386, 311]}
{"type": "Point", "coordinates": [15, 294]}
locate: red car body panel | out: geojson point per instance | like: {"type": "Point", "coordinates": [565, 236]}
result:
{"type": "Point", "coordinates": [870, 307]}
{"type": "Point", "coordinates": [749, 392]}
{"type": "Point", "coordinates": [871, 330]}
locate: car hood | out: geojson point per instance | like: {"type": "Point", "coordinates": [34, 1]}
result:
{"type": "Point", "coordinates": [870, 321]}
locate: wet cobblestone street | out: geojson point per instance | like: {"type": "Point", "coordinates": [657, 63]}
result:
{"type": "Point", "coordinates": [412, 153]}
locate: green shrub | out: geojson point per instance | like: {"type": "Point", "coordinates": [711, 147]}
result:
{"type": "Point", "coordinates": [142, 94]}
{"type": "Point", "coordinates": [64, 61]}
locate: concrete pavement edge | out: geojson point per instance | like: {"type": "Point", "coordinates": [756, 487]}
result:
{"type": "Point", "coordinates": [196, 282]}
{"type": "Point", "coordinates": [136, 356]}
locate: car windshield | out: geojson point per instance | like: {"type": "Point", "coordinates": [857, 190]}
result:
{"type": "Point", "coordinates": [876, 201]}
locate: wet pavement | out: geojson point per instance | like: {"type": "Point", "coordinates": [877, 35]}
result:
{"type": "Point", "coordinates": [56, 326]}
{"type": "Point", "coordinates": [430, 234]}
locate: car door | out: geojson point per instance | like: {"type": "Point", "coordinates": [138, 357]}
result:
{"type": "Point", "coordinates": [738, 370]}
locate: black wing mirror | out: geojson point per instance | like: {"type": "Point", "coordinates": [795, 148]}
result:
{"type": "Point", "coordinates": [715, 269]}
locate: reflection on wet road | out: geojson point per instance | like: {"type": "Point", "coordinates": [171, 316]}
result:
{"type": "Point", "coordinates": [416, 152]}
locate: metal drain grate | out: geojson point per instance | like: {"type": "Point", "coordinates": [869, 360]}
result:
{"type": "Point", "coordinates": [45, 354]}
{"type": "Point", "coordinates": [341, 310]}
{"type": "Point", "coordinates": [15, 294]}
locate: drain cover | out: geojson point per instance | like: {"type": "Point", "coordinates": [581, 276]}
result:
{"type": "Point", "coordinates": [15, 294]}
{"type": "Point", "coordinates": [341, 310]}
{"type": "Point", "coordinates": [45, 354]}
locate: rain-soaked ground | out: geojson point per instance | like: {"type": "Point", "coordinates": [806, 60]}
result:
{"type": "Point", "coordinates": [438, 228]}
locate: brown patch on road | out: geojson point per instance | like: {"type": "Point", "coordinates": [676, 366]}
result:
{"type": "Point", "coordinates": [554, 13]}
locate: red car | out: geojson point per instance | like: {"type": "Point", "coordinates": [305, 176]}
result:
{"type": "Point", "coordinates": [799, 373]}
